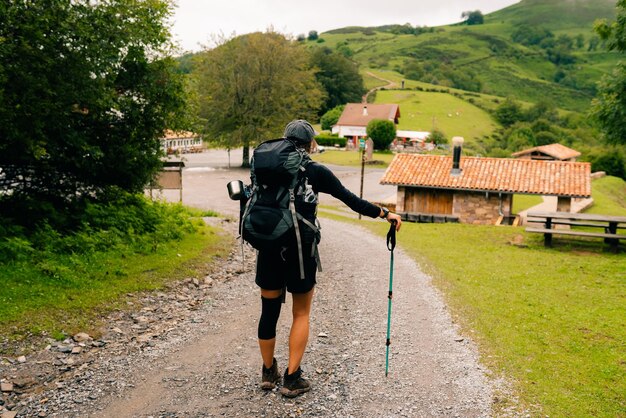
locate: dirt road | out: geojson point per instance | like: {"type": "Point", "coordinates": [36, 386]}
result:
{"type": "Point", "coordinates": [208, 364]}
{"type": "Point", "coordinates": [433, 372]}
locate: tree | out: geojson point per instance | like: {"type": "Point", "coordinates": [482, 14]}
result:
{"type": "Point", "coordinates": [509, 112]}
{"type": "Point", "coordinates": [543, 109]}
{"type": "Point", "coordinates": [609, 107]}
{"type": "Point", "coordinates": [473, 17]}
{"type": "Point", "coordinates": [338, 76]}
{"type": "Point", "coordinates": [382, 132]}
{"type": "Point", "coordinates": [437, 137]}
{"type": "Point", "coordinates": [86, 97]}
{"type": "Point", "coordinates": [250, 86]}
{"type": "Point", "coordinates": [331, 117]}
{"type": "Point", "coordinates": [313, 36]}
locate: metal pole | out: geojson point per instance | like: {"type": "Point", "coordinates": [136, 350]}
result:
{"type": "Point", "coordinates": [391, 245]}
{"type": "Point", "coordinates": [362, 173]}
{"type": "Point", "coordinates": [389, 314]}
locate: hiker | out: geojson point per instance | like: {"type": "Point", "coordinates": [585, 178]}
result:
{"type": "Point", "coordinates": [282, 269]}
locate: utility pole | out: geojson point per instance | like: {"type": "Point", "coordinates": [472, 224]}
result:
{"type": "Point", "coordinates": [362, 172]}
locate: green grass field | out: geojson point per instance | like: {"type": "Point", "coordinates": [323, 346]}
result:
{"type": "Point", "coordinates": [423, 111]}
{"type": "Point", "coordinates": [525, 201]}
{"type": "Point", "coordinates": [77, 289]}
{"type": "Point", "coordinates": [549, 320]}
{"type": "Point", "coordinates": [609, 195]}
{"type": "Point", "coordinates": [352, 158]}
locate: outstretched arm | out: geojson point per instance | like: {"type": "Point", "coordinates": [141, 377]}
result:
{"type": "Point", "coordinates": [325, 181]}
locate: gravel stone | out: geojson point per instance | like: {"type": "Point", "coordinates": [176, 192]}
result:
{"type": "Point", "coordinates": [195, 353]}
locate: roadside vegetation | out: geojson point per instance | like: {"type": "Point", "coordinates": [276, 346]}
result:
{"type": "Point", "coordinates": [353, 158]}
{"type": "Point", "coordinates": [60, 283]}
{"type": "Point", "coordinates": [81, 122]}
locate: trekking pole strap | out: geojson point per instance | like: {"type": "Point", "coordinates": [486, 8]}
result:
{"type": "Point", "coordinates": [294, 216]}
{"type": "Point", "coordinates": [391, 236]}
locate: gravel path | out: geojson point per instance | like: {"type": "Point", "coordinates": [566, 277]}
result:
{"type": "Point", "coordinates": [191, 351]}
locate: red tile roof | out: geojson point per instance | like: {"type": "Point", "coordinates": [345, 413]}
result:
{"type": "Point", "coordinates": [557, 151]}
{"type": "Point", "coordinates": [353, 113]}
{"type": "Point", "coordinates": [506, 175]}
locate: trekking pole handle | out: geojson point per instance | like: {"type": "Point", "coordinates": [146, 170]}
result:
{"type": "Point", "coordinates": [391, 236]}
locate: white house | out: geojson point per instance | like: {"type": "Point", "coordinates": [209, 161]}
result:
{"type": "Point", "coordinates": [353, 121]}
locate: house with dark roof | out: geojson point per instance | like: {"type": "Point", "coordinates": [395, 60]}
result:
{"type": "Point", "coordinates": [549, 152]}
{"type": "Point", "coordinates": [352, 123]}
{"type": "Point", "coordinates": [479, 190]}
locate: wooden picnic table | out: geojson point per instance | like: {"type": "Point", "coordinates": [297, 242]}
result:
{"type": "Point", "coordinates": [609, 224]}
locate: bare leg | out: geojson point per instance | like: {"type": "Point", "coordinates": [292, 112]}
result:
{"type": "Point", "coordinates": [267, 346]}
{"type": "Point", "coordinates": [299, 335]}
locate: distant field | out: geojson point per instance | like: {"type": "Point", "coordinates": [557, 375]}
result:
{"type": "Point", "coordinates": [524, 201]}
{"type": "Point", "coordinates": [351, 158]}
{"type": "Point", "coordinates": [424, 111]}
{"type": "Point", "coordinates": [371, 82]}
{"type": "Point", "coordinates": [485, 101]}
{"type": "Point", "coordinates": [609, 195]}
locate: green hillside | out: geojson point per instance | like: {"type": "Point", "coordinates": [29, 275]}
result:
{"type": "Point", "coordinates": [422, 110]}
{"type": "Point", "coordinates": [498, 57]}
{"type": "Point", "coordinates": [572, 16]}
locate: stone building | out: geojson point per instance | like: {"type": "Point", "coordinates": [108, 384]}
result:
{"type": "Point", "coordinates": [479, 190]}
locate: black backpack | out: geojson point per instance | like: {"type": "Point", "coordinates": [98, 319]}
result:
{"type": "Point", "coordinates": [280, 201]}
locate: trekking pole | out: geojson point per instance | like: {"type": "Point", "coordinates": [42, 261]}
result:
{"type": "Point", "coordinates": [391, 244]}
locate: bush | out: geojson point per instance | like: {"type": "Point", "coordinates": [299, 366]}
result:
{"type": "Point", "coordinates": [330, 140]}
{"type": "Point", "coordinates": [613, 162]}
{"type": "Point", "coordinates": [129, 221]}
{"type": "Point", "coordinates": [330, 118]}
{"type": "Point", "coordinates": [382, 132]}
{"type": "Point", "coordinates": [473, 17]}
{"type": "Point", "coordinates": [509, 112]}
{"type": "Point", "coordinates": [437, 137]}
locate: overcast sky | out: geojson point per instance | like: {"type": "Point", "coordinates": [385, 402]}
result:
{"type": "Point", "coordinates": [196, 21]}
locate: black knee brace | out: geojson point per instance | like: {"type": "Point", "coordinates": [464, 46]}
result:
{"type": "Point", "coordinates": [270, 311]}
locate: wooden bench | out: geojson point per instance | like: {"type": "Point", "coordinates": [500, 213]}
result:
{"type": "Point", "coordinates": [571, 223]}
{"type": "Point", "coordinates": [609, 224]}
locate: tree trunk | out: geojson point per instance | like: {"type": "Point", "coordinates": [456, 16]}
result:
{"type": "Point", "coordinates": [246, 156]}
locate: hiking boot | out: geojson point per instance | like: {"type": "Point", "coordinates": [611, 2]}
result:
{"type": "Point", "coordinates": [270, 377]}
{"type": "Point", "coordinates": [294, 384]}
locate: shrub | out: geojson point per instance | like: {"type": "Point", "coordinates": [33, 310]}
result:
{"type": "Point", "coordinates": [473, 17]}
{"type": "Point", "coordinates": [382, 132]}
{"type": "Point", "coordinates": [330, 140]}
{"type": "Point", "coordinates": [437, 137]}
{"type": "Point", "coordinates": [613, 162]}
{"type": "Point", "coordinates": [129, 221]}
{"type": "Point", "coordinates": [331, 117]}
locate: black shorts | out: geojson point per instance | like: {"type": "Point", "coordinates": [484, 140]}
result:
{"type": "Point", "coordinates": [274, 270]}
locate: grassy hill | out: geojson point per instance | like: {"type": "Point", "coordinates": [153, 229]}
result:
{"type": "Point", "coordinates": [561, 16]}
{"type": "Point", "coordinates": [425, 110]}
{"type": "Point", "coordinates": [486, 59]}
